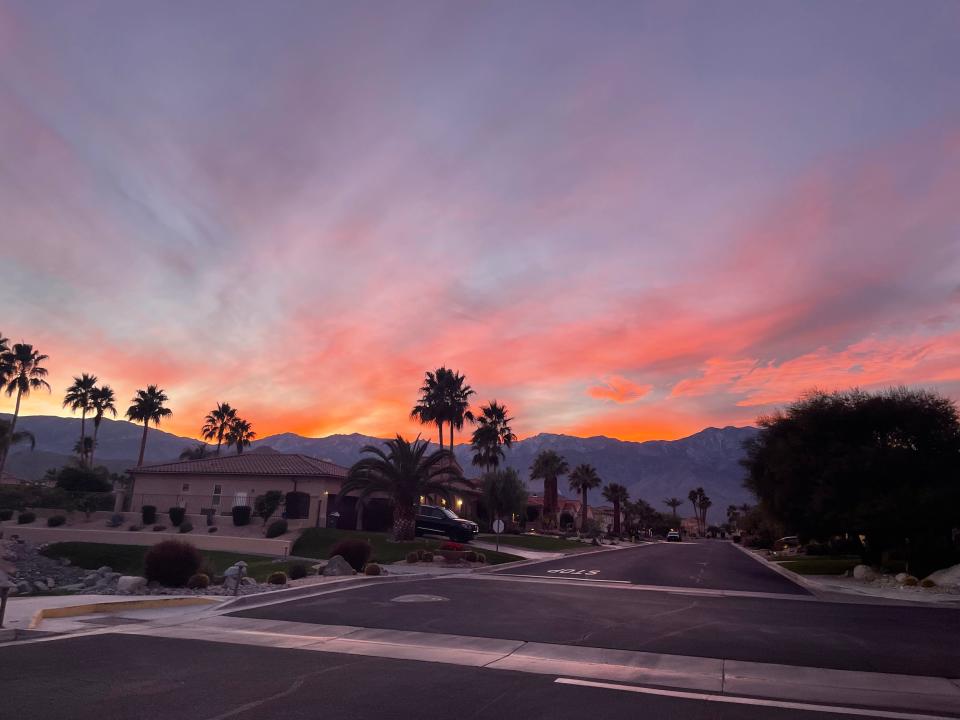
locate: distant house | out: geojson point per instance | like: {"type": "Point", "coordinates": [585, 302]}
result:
{"type": "Point", "coordinates": [568, 512]}
{"type": "Point", "coordinates": [8, 479]}
{"type": "Point", "coordinates": [220, 483]}
{"type": "Point", "coordinates": [690, 526]}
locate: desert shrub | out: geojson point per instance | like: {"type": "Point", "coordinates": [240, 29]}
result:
{"type": "Point", "coordinates": [266, 505]}
{"type": "Point", "coordinates": [355, 552]}
{"type": "Point", "coordinates": [212, 529]}
{"type": "Point", "coordinates": [171, 563]}
{"type": "Point", "coordinates": [135, 528]}
{"type": "Point", "coordinates": [481, 558]}
{"type": "Point", "coordinates": [420, 552]}
{"type": "Point", "coordinates": [471, 556]}
{"type": "Point", "coordinates": [927, 583]}
{"type": "Point", "coordinates": [186, 526]}
{"type": "Point", "coordinates": [6, 514]}
{"type": "Point", "coordinates": [241, 515]}
{"type": "Point", "coordinates": [910, 581]}
{"type": "Point", "coordinates": [371, 569]}
{"type": "Point", "coordinates": [198, 581]}
{"type": "Point", "coordinates": [277, 578]}
{"type": "Point", "coordinates": [297, 571]}
{"type": "Point", "coordinates": [116, 520]}
{"type": "Point", "coordinates": [177, 514]}
{"type": "Point", "coordinates": [276, 528]}
{"type": "Point", "coordinates": [413, 557]}
{"type": "Point", "coordinates": [815, 548]}
{"type": "Point", "coordinates": [427, 556]}
{"type": "Point", "coordinates": [159, 528]}
{"type": "Point", "coordinates": [148, 513]}
{"type": "Point", "coordinates": [25, 518]}
{"type": "Point", "coordinates": [56, 520]}
{"type": "Point", "coordinates": [449, 545]}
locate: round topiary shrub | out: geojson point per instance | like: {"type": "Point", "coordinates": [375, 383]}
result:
{"type": "Point", "coordinates": [413, 557]}
{"type": "Point", "coordinates": [186, 526]}
{"type": "Point", "coordinates": [910, 581]}
{"type": "Point", "coordinates": [355, 552]}
{"type": "Point", "coordinates": [277, 578]}
{"type": "Point", "coordinates": [25, 518]}
{"type": "Point", "coordinates": [371, 569]}
{"type": "Point", "coordinates": [56, 520]}
{"type": "Point", "coordinates": [198, 581]}
{"type": "Point", "coordinates": [241, 515]}
{"type": "Point", "coordinates": [148, 514]}
{"type": "Point", "coordinates": [6, 515]}
{"type": "Point", "coordinates": [171, 563]}
{"type": "Point", "coordinates": [276, 528]}
{"type": "Point", "coordinates": [177, 515]}
{"type": "Point", "coordinates": [427, 556]}
{"type": "Point", "coordinates": [927, 583]}
{"type": "Point", "coordinates": [481, 558]}
{"type": "Point", "coordinates": [297, 571]}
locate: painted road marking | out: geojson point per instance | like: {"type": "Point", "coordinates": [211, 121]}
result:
{"type": "Point", "coordinates": [573, 571]}
{"type": "Point", "coordinates": [507, 576]}
{"type": "Point", "coordinates": [736, 700]}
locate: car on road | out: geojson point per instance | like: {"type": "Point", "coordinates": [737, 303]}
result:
{"type": "Point", "coordinates": [437, 520]}
{"type": "Point", "coordinates": [673, 536]}
{"type": "Point", "coordinates": [786, 543]}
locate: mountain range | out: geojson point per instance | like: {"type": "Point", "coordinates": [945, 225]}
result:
{"type": "Point", "coordinates": [652, 470]}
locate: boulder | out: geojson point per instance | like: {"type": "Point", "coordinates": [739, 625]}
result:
{"type": "Point", "coordinates": [23, 588]}
{"type": "Point", "coordinates": [104, 569]}
{"type": "Point", "coordinates": [338, 566]}
{"type": "Point", "coordinates": [864, 573]}
{"type": "Point", "coordinates": [130, 583]}
{"type": "Point", "coordinates": [900, 577]}
{"type": "Point", "coordinates": [249, 581]}
{"type": "Point", "coordinates": [948, 577]}
{"type": "Point", "coordinates": [91, 579]}
{"type": "Point", "coordinates": [40, 586]}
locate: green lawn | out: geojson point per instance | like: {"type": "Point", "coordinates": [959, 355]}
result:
{"type": "Point", "coordinates": [544, 543]}
{"type": "Point", "coordinates": [317, 542]}
{"type": "Point", "coordinates": [128, 559]}
{"type": "Point", "coordinates": [820, 565]}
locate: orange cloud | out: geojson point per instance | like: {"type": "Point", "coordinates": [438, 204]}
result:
{"type": "Point", "coordinates": [619, 390]}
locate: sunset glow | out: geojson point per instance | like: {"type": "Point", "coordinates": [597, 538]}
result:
{"type": "Point", "coordinates": [633, 223]}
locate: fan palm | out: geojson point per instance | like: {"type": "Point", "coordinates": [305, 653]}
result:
{"type": "Point", "coordinates": [618, 495]}
{"type": "Point", "coordinates": [22, 373]}
{"type": "Point", "coordinates": [239, 434]}
{"type": "Point", "coordinates": [80, 397]}
{"type": "Point", "coordinates": [549, 465]}
{"type": "Point", "coordinates": [148, 407]}
{"type": "Point", "coordinates": [8, 438]}
{"type": "Point", "coordinates": [217, 423]}
{"type": "Point", "coordinates": [491, 435]}
{"type": "Point", "coordinates": [102, 401]}
{"type": "Point", "coordinates": [673, 503]}
{"type": "Point", "coordinates": [457, 402]}
{"type": "Point", "coordinates": [404, 471]}
{"type": "Point", "coordinates": [583, 478]}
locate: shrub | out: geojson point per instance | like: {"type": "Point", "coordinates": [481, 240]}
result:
{"type": "Point", "coordinates": [186, 526]}
{"type": "Point", "coordinates": [135, 528]}
{"type": "Point", "coordinates": [266, 505]}
{"type": "Point", "coordinates": [927, 583]}
{"type": "Point", "coordinates": [910, 581]}
{"type": "Point", "coordinates": [420, 552]}
{"type": "Point", "coordinates": [148, 513]}
{"type": "Point", "coordinates": [413, 557]}
{"type": "Point", "coordinates": [355, 552]}
{"type": "Point", "coordinates": [198, 581]}
{"type": "Point", "coordinates": [371, 569]}
{"type": "Point", "coordinates": [56, 520]}
{"type": "Point", "coordinates": [212, 529]}
{"type": "Point", "coordinates": [159, 528]}
{"type": "Point", "coordinates": [481, 558]}
{"type": "Point", "coordinates": [471, 556]}
{"type": "Point", "coordinates": [452, 546]}
{"type": "Point", "coordinates": [276, 528]}
{"type": "Point", "coordinates": [277, 578]}
{"type": "Point", "coordinates": [177, 514]}
{"type": "Point", "coordinates": [116, 520]}
{"type": "Point", "coordinates": [171, 563]}
{"type": "Point", "coordinates": [816, 548]}
{"type": "Point", "coordinates": [25, 518]}
{"type": "Point", "coordinates": [241, 515]}
{"type": "Point", "coordinates": [297, 571]}
{"type": "Point", "coordinates": [427, 556]}
{"type": "Point", "coordinates": [6, 514]}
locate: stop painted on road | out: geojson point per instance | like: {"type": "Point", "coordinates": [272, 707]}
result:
{"type": "Point", "coordinates": [573, 571]}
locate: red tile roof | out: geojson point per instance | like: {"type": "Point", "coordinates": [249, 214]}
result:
{"type": "Point", "coordinates": [282, 464]}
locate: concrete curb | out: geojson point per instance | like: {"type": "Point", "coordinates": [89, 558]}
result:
{"type": "Point", "coordinates": [115, 606]}
{"type": "Point", "coordinates": [800, 580]}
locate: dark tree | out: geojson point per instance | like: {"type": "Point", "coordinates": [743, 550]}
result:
{"type": "Point", "coordinates": [885, 466]}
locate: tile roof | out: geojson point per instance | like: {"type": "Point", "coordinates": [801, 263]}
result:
{"type": "Point", "coordinates": [283, 464]}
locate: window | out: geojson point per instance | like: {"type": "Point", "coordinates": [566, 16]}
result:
{"type": "Point", "coordinates": [185, 487]}
{"type": "Point", "coordinates": [217, 491]}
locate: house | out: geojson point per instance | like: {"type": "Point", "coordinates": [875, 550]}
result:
{"type": "Point", "coordinates": [220, 483]}
{"type": "Point", "coordinates": [8, 479]}
{"type": "Point", "coordinates": [568, 512]}
{"type": "Point", "coordinates": [690, 526]}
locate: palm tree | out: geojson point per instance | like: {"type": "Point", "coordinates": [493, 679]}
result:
{"type": "Point", "coordinates": [197, 452]}
{"type": "Point", "coordinates": [549, 466]}
{"type": "Point", "coordinates": [457, 401]}
{"type": "Point", "coordinates": [404, 471]}
{"type": "Point", "coordinates": [239, 434]}
{"type": "Point", "coordinates": [79, 397]}
{"type": "Point", "coordinates": [4, 344]}
{"type": "Point", "coordinates": [618, 495]}
{"type": "Point", "coordinates": [22, 373]}
{"type": "Point", "coordinates": [432, 404]}
{"type": "Point", "coordinates": [148, 406]}
{"type": "Point", "coordinates": [673, 503]}
{"type": "Point", "coordinates": [102, 402]}
{"type": "Point", "coordinates": [583, 478]}
{"type": "Point", "coordinates": [217, 422]}
{"type": "Point", "coordinates": [491, 435]}
{"type": "Point", "coordinates": [8, 438]}
{"type": "Point", "coordinates": [704, 504]}
{"type": "Point", "coordinates": [82, 448]}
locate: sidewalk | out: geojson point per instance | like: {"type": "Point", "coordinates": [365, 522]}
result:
{"type": "Point", "coordinates": [518, 551]}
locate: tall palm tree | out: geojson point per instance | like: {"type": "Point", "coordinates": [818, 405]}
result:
{"type": "Point", "coordinates": [404, 471]}
{"type": "Point", "coordinates": [239, 434]}
{"type": "Point", "coordinates": [583, 478]}
{"type": "Point", "coordinates": [148, 406]}
{"type": "Point", "coordinates": [22, 373]}
{"type": "Point", "coordinates": [80, 397]}
{"type": "Point", "coordinates": [549, 465]}
{"type": "Point", "coordinates": [673, 503]}
{"type": "Point", "coordinates": [491, 435]}
{"type": "Point", "coordinates": [217, 422]}
{"type": "Point", "coordinates": [102, 400]}
{"type": "Point", "coordinates": [704, 504]}
{"type": "Point", "coordinates": [457, 401]}
{"type": "Point", "coordinates": [618, 495]}
{"type": "Point", "coordinates": [4, 344]}
{"type": "Point", "coordinates": [8, 438]}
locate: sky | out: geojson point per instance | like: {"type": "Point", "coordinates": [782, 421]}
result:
{"type": "Point", "coordinates": [629, 219]}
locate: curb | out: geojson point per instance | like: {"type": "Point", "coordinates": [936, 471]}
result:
{"type": "Point", "coordinates": [811, 585]}
{"type": "Point", "coordinates": [115, 606]}
{"type": "Point", "coordinates": [493, 569]}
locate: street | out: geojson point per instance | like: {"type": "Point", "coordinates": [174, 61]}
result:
{"type": "Point", "coordinates": [689, 630]}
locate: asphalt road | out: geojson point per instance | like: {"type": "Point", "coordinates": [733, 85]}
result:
{"type": "Point", "coordinates": [706, 564]}
{"type": "Point", "coordinates": [123, 677]}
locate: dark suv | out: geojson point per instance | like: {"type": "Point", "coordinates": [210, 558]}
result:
{"type": "Point", "coordinates": [435, 520]}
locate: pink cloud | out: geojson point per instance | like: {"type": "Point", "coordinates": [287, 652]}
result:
{"type": "Point", "coordinates": [619, 390]}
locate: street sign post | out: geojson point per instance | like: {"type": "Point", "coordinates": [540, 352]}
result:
{"type": "Point", "coordinates": [498, 528]}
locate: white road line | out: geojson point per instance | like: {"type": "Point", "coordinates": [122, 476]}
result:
{"type": "Point", "coordinates": [737, 700]}
{"type": "Point", "coordinates": [568, 577]}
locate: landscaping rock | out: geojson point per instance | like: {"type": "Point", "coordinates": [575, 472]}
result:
{"type": "Point", "coordinates": [23, 587]}
{"type": "Point", "coordinates": [864, 573]}
{"type": "Point", "coordinates": [948, 577]}
{"type": "Point", "coordinates": [103, 570]}
{"type": "Point", "coordinates": [91, 579]}
{"type": "Point", "coordinates": [130, 583]}
{"type": "Point", "coordinates": [900, 577]}
{"type": "Point", "coordinates": [248, 582]}
{"type": "Point", "coordinates": [338, 566]}
{"type": "Point", "coordinates": [40, 586]}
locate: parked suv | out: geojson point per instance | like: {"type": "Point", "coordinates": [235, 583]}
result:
{"type": "Point", "coordinates": [434, 520]}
